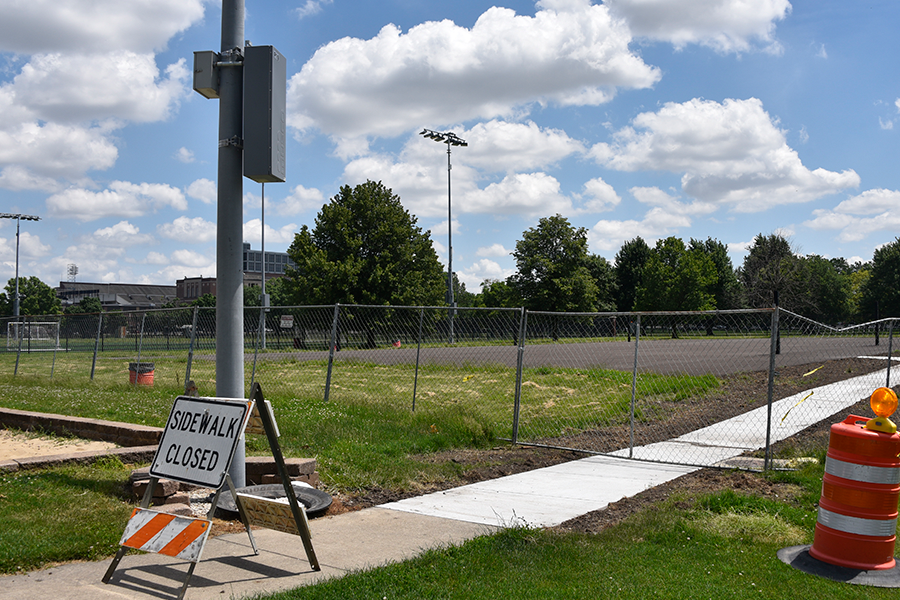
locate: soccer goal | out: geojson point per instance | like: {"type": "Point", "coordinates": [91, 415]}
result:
{"type": "Point", "coordinates": [35, 336]}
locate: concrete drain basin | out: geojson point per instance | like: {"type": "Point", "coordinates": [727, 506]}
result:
{"type": "Point", "coordinates": [315, 501]}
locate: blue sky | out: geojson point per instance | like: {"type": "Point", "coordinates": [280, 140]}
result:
{"type": "Point", "coordinates": [692, 118]}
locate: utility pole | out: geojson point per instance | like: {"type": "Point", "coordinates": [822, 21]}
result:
{"type": "Point", "coordinates": [451, 139]}
{"type": "Point", "coordinates": [230, 219]}
{"type": "Point", "coordinates": [250, 83]}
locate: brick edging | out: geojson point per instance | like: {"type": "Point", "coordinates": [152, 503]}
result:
{"type": "Point", "coordinates": [123, 434]}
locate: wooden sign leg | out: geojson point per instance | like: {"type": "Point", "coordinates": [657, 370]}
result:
{"type": "Point", "coordinates": [299, 513]}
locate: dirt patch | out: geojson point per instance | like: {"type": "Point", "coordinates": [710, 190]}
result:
{"type": "Point", "coordinates": [16, 444]}
{"type": "Point", "coordinates": [737, 394]}
{"type": "Point", "coordinates": [683, 491]}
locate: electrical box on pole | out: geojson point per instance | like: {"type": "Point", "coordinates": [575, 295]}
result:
{"type": "Point", "coordinates": [206, 74]}
{"type": "Point", "coordinates": [265, 114]}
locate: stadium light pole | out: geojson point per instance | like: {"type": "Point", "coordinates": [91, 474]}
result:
{"type": "Point", "coordinates": [451, 139]}
{"type": "Point", "coordinates": [18, 217]}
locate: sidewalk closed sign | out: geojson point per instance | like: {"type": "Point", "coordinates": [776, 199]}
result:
{"type": "Point", "coordinates": [199, 440]}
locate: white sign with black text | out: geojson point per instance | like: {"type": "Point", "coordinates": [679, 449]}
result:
{"type": "Point", "coordinates": [199, 440]}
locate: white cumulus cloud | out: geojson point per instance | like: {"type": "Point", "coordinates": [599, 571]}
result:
{"type": "Point", "coordinates": [858, 217]}
{"type": "Point", "coordinates": [439, 72]}
{"type": "Point", "coordinates": [121, 199]}
{"type": "Point", "coordinates": [186, 229]}
{"type": "Point", "coordinates": [33, 26]}
{"type": "Point", "coordinates": [203, 190]}
{"type": "Point", "coordinates": [725, 25]}
{"type": "Point", "coordinates": [730, 153]}
{"type": "Point", "coordinates": [122, 233]}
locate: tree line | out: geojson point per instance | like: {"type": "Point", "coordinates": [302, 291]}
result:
{"type": "Point", "coordinates": [365, 248]}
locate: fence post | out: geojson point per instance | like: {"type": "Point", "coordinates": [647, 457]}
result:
{"type": "Point", "coordinates": [773, 343]}
{"type": "Point", "coordinates": [418, 350]}
{"type": "Point", "coordinates": [890, 351]}
{"type": "Point", "coordinates": [520, 354]}
{"type": "Point", "coordinates": [21, 332]}
{"type": "Point", "coordinates": [56, 347]}
{"type": "Point", "coordinates": [260, 335]}
{"type": "Point", "coordinates": [140, 349]}
{"type": "Point", "coordinates": [877, 324]}
{"type": "Point", "coordinates": [96, 344]}
{"type": "Point", "coordinates": [334, 332]}
{"type": "Point", "coordinates": [190, 360]}
{"type": "Point", "coordinates": [637, 338]}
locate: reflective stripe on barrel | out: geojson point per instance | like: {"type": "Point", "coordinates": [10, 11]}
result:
{"type": "Point", "coordinates": [866, 473]}
{"type": "Point", "coordinates": [872, 527]}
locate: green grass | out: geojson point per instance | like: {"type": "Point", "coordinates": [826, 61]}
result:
{"type": "Point", "coordinates": [717, 546]}
{"type": "Point", "coordinates": [61, 514]}
{"type": "Point", "coordinates": [367, 434]}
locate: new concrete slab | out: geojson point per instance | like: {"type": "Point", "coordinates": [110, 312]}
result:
{"type": "Point", "coordinates": [544, 497]}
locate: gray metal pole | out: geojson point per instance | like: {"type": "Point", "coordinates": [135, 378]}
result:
{"type": "Point", "coordinates": [520, 362]}
{"type": "Point", "coordinates": [16, 300]}
{"type": "Point", "coordinates": [96, 344]}
{"type": "Point", "coordinates": [770, 392]}
{"type": "Point", "coordinates": [890, 351]}
{"type": "Point", "coordinates": [450, 246]}
{"type": "Point", "coordinates": [190, 360]}
{"type": "Point", "coordinates": [263, 300]}
{"type": "Point", "coordinates": [230, 214]}
{"type": "Point", "coordinates": [634, 367]}
{"type": "Point", "coordinates": [419, 351]}
{"type": "Point", "coordinates": [331, 349]}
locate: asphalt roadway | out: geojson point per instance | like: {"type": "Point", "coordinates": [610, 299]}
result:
{"type": "Point", "coordinates": [691, 356]}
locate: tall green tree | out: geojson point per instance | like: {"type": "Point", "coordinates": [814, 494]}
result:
{"type": "Point", "coordinates": [828, 289]}
{"type": "Point", "coordinates": [772, 266]}
{"type": "Point", "coordinates": [883, 285]}
{"type": "Point", "coordinates": [604, 276]}
{"type": "Point", "coordinates": [365, 248]}
{"type": "Point", "coordinates": [205, 301]}
{"type": "Point", "coordinates": [552, 270]}
{"type": "Point", "coordinates": [630, 261]}
{"type": "Point", "coordinates": [498, 293]}
{"type": "Point", "coordinates": [36, 298]}
{"type": "Point", "coordinates": [88, 304]}
{"type": "Point", "coordinates": [677, 278]}
{"type": "Point", "coordinates": [726, 291]}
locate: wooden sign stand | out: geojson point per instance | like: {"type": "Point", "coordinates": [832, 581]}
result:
{"type": "Point", "coordinates": [179, 457]}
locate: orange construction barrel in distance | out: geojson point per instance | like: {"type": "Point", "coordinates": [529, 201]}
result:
{"type": "Point", "coordinates": [140, 373]}
{"type": "Point", "coordinates": [857, 520]}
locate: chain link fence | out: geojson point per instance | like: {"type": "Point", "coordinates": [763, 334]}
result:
{"type": "Point", "coordinates": [639, 385]}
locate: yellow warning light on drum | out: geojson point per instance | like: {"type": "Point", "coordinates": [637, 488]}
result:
{"type": "Point", "coordinates": [884, 403]}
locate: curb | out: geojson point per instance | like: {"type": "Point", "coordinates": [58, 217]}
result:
{"type": "Point", "coordinates": [123, 434]}
{"type": "Point", "coordinates": [139, 441]}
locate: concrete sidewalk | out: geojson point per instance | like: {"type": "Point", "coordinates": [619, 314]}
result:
{"type": "Point", "coordinates": [401, 530]}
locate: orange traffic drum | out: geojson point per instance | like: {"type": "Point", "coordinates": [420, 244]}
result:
{"type": "Point", "coordinates": [857, 522]}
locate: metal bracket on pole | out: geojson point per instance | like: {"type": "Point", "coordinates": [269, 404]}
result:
{"type": "Point", "coordinates": [232, 141]}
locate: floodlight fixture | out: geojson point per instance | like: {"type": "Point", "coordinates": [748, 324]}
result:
{"type": "Point", "coordinates": [451, 139]}
{"type": "Point", "coordinates": [18, 217]}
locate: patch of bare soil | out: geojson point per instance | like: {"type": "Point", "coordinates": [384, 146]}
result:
{"type": "Point", "coordinates": [15, 444]}
{"type": "Point", "coordinates": [683, 491]}
{"type": "Point", "coordinates": [737, 394]}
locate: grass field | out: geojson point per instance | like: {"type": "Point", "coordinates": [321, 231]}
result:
{"type": "Point", "coordinates": [719, 545]}
{"type": "Point", "coordinates": [365, 433]}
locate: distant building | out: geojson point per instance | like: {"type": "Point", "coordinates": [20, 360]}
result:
{"type": "Point", "coordinates": [253, 265]}
{"type": "Point", "coordinates": [118, 296]}
{"type": "Point", "coordinates": [190, 288]}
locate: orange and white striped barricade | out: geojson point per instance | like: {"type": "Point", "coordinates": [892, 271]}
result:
{"type": "Point", "coordinates": [857, 520]}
